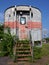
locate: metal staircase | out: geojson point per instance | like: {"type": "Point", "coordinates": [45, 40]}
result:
{"type": "Point", "coordinates": [23, 52]}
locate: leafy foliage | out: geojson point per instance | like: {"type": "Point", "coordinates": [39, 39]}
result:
{"type": "Point", "coordinates": [6, 42]}
{"type": "Point", "coordinates": [1, 31]}
{"type": "Point", "coordinates": [47, 40]}
{"type": "Point", "coordinates": [37, 53]}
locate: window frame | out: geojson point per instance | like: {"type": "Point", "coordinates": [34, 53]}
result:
{"type": "Point", "coordinates": [24, 19]}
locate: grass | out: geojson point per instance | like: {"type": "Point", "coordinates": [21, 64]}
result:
{"type": "Point", "coordinates": [37, 53]}
{"type": "Point", "coordinates": [45, 49]}
{"type": "Point", "coordinates": [41, 52]}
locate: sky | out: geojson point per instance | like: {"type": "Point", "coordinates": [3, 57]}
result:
{"type": "Point", "coordinates": [43, 5]}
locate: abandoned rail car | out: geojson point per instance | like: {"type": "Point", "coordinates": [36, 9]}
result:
{"type": "Point", "coordinates": [24, 22]}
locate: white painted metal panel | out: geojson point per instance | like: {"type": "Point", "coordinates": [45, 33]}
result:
{"type": "Point", "coordinates": [13, 31]}
{"type": "Point", "coordinates": [39, 34]}
{"type": "Point", "coordinates": [36, 35]}
{"type": "Point", "coordinates": [9, 16]}
{"type": "Point", "coordinates": [36, 15]}
{"type": "Point", "coordinates": [23, 8]}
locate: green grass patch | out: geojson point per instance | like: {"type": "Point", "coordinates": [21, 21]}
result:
{"type": "Point", "coordinates": [40, 52]}
{"type": "Point", "coordinates": [37, 53]}
{"type": "Point", "coordinates": [45, 49]}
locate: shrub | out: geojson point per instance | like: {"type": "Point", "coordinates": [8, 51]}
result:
{"type": "Point", "coordinates": [3, 49]}
{"type": "Point", "coordinates": [37, 52]}
{"type": "Point", "coordinates": [6, 45]}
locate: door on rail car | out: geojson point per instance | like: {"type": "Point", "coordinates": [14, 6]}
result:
{"type": "Point", "coordinates": [23, 29]}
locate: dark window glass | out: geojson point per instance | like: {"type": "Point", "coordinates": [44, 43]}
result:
{"type": "Point", "coordinates": [23, 12]}
{"type": "Point", "coordinates": [14, 13]}
{"type": "Point", "coordinates": [31, 15]}
{"type": "Point", "coordinates": [9, 15]}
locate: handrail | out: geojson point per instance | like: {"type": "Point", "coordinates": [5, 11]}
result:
{"type": "Point", "coordinates": [31, 45]}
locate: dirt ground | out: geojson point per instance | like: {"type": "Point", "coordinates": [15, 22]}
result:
{"type": "Point", "coordinates": [8, 61]}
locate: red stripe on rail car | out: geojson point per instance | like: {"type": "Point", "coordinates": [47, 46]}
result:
{"type": "Point", "coordinates": [34, 25]}
{"type": "Point", "coordinates": [11, 24]}
{"type": "Point", "coordinates": [30, 25]}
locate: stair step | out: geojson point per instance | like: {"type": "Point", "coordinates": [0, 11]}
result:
{"type": "Point", "coordinates": [22, 49]}
{"type": "Point", "coordinates": [23, 52]}
{"type": "Point", "coordinates": [23, 46]}
{"type": "Point", "coordinates": [23, 43]}
{"type": "Point", "coordinates": [24, 55]}
{"type": "Point", "coordinates": [23, 59]}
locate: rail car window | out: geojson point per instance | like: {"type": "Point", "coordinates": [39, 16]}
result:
{"type": "Point", "coordinates": [23, 12]}
{"type": "Point", "coordinates": [9, 15]}
{"type": "Point", "coordinates": [31, 15]}
{"type": "Point", "coordinates": [22, 20]}
{"type": "Point", "coordinates": [14, 13]}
